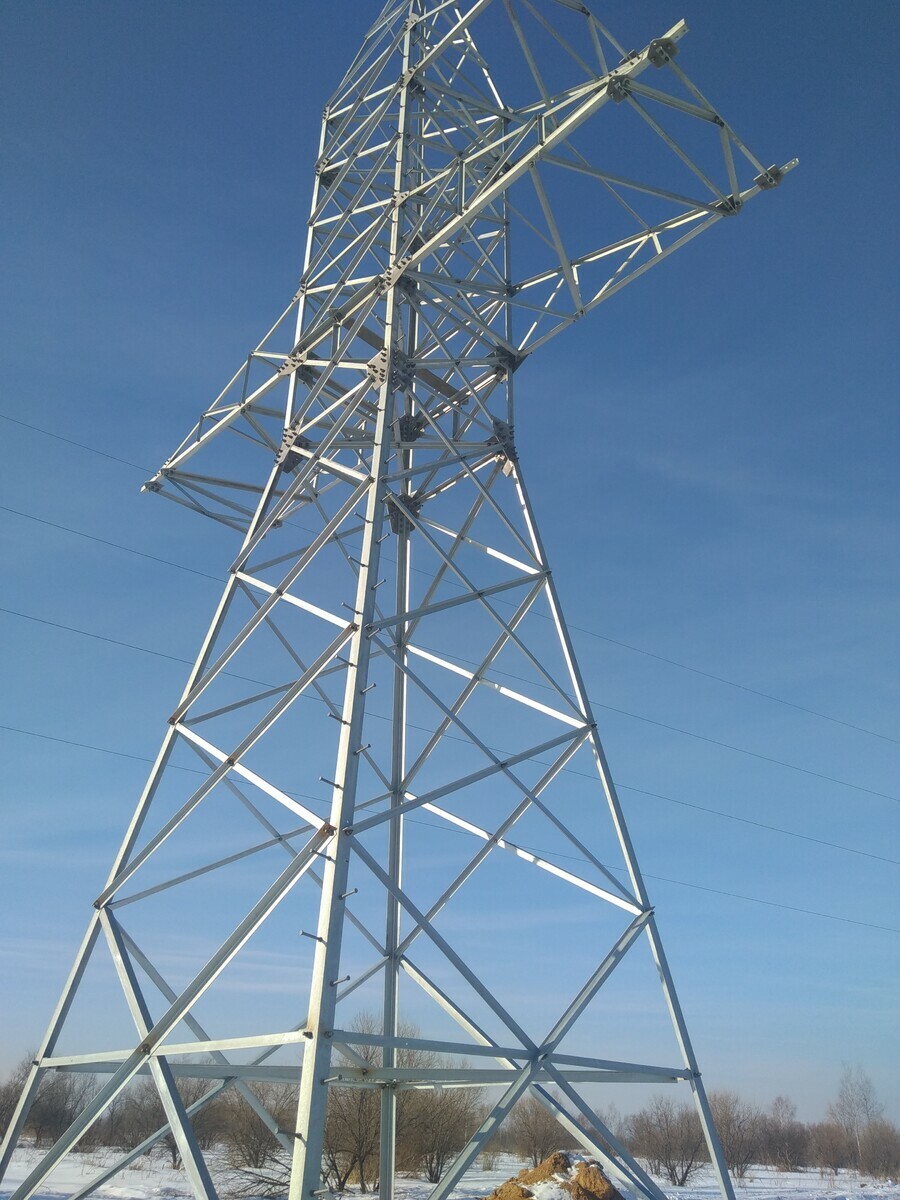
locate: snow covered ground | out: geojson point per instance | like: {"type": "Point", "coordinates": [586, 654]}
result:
{"type": "Point", "coordinates": [154, 1179]}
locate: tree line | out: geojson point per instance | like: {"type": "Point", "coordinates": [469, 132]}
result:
{"type": "Point", "coordinates": [434, 1124]}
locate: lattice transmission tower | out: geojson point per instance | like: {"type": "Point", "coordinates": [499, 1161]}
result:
{"type": "Point", "coordinates": [383, 790]}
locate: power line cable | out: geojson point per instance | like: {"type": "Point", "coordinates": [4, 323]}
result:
{"type": "Point", "coordinates": [592, 633]}
{"type": "Point", "coordinates": [609, 707]}
{"type": "Point", "coordinates": [498, 750]}
{"type": "Point", "coordinates": [317, 799]}
{"type": "Point", "coordinates": [104, 542]}
{"type": "Point", "coordinates": [71, 442]}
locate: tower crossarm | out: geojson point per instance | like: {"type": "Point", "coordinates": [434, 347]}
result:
{"type": "Point", "coordinates": [483, 174]}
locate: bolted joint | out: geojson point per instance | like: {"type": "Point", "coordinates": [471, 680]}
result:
{"type": "Point", "coordinates": [403, 369]}
{"type": "Point", "coordinates": [292, 363]}
{"type": "Point", "coordinates": [289, 456]}
{"type": "Point", "coordinates": [617, 89]}
{"type": "Point", "coordinates": [377, 367]}
{"type": "Point", "coordinates": [412, 83]}
{"type": "Point", "coordinates": [504, 360]}
{"type": "Point", "coordinates": [729, 207]}
{"type": "Point", "coordinates": [410, 427]}
{"type": "Point", "coordinates": [660, 51]}
{"type": "Point", "coordinates": [152, 485]}
{"type": "Point", "coordinates": [400, 521]}
{"type": "Point", "coordinates": [503, 438]}
{"type": "Point", "coordinates": [770, 178]}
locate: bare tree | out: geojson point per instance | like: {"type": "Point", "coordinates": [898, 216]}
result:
{"type": "Point", "coordinates": [830, 1147]}
{"type": "Point", "coordinates": [880, 1149]}
{"type": "Point", "coordinates": [442, 1120]}
{"type": "Point", "coordinates": [11, 1089]}
{"type": "Point", "coordinates": [249, 1140]}
{"type": "Point", "coordinates": [739, 1126]}
{"type": "Point", "coordinates": [534, 1132]}
{"type": "Point", "coordinates": [784, 1141]}
{"type": "Point", "coordinates": [669, 1136]}
{"type": "Point", "coordinates": [856, 1106]}
{"type": "Point", "coordinates": [60, 1098]}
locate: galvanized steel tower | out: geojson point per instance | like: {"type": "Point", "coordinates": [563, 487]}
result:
{"type": "Point", "coordinates": [378, 748]}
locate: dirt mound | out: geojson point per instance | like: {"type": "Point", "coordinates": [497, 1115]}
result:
{"type": "Point", "coordinates": [582, 1178]}
{"type": "Point", "coordinates": [557, 1164]}
{"type": "Point", "coordinates": [591, 1184]}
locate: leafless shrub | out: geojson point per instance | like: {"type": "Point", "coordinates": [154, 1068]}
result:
{"type": "Point", "coordinates": [830, 1147]}
{"type": "Point", "coordinates": [784, 1141]}
{"type": "Point", "coordinates": [880, 1149]}
{"type": "Point", "coordinates": [739, 1126]}
{"type": "Point", "coordinates": [669, 1136]}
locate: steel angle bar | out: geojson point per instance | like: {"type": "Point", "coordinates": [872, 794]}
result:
{"type": "Point", "coordinates": [204, 677]}
{"type": "Point", "coordinates": [585, 168]}
{"type": "Point", "coordinates": [279, 839]}
{"type": "Point", "coordinates": [619, 1164]}
{"type": "Point", "coordinates": [475, 862]}
{"type": "Point", "coordinates": [228, 782]}
{"type": "Point", "coordinates": [429, 610]}
{"type": "Point", "coordinates": [236, 705]}
{"type": "Point", "coordinates": [701, 1101]}
{"type": "Point", "coordinates": [299, 810]}
{"type": "Point", "coordinates": [565, 261]}
{"type": "Point", "coordinates": [173, 1106]}
{"type": "Point", "coordinates": [401, 1042]}
{"type": "Point", "coordinates": [229, 413]}
{"type": "Point", "coordinates": [309, 273]}
{"type": "Point", "coordinates": [36, 1071]}
{"type": "Point", "coordinates": [490, 551]}
{"type": "Point", "coordinates": [484, 1133]}
{"type": "Point", "coordinates": [426, 1078]}
{"type": "Point", "coordinates": [565, 641]}
{"type": "Point", "coordinates": [451, 716]}
{"type": "Point", "coordinates": [530, 856]}
{"type": "Point", "coordinates": [729, 160]}
{"type": "Point", "coordinates": [197, 507]}
{"type": "Point", "coordinates": [442, 944]}
{"type": "Point", "coordinates": [303, 478]}
{"type": "Point", "coordinates": [469, 450]}
{"type": "Point", "coordinates": [323, 696]}
{"type": "Point", "coordinates": [427, 799]}
{"type": "Point", "coordinates": [608, 1064]}
{"type": "Point", "coordinates": [586, 852]}
{"type": "Point", "coordinates": [674, 146]}
{"type": "Point", "coordinates": [583, 109]}
{"type": "Point", "coordinates": [597, 979]}
{"type": "Point", "coordinates": [701, 99]}
{"type": "Point", "coordinates": [446, 560]}
{"type": "Point", "coordinates": [232, 762]}
{"type": "Point", "coordinates": [507, 693]}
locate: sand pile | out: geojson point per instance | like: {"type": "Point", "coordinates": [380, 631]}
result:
{"type": "Point", "coordinates": [559, 1177]}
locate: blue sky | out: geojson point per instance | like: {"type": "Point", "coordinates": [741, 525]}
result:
{"type": "Point", "coordinates": [733, 413]}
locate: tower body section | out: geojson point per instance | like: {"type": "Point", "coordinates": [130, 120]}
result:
{"type": "Point", "coordinates": [385, 741]}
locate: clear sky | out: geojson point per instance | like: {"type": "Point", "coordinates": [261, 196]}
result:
{"type": "Point", "coordinates": [713, 457]}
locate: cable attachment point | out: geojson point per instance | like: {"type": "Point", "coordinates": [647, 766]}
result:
{"type": "Point", "coordinates": [661, 50]}
{"type": "Point", "coordinates": [770, 178]}
{"type": "Point", "coordinates": [730, 206]}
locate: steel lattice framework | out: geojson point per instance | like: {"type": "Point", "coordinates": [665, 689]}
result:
{"type": "Point", "coordinates": [391, 618]}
